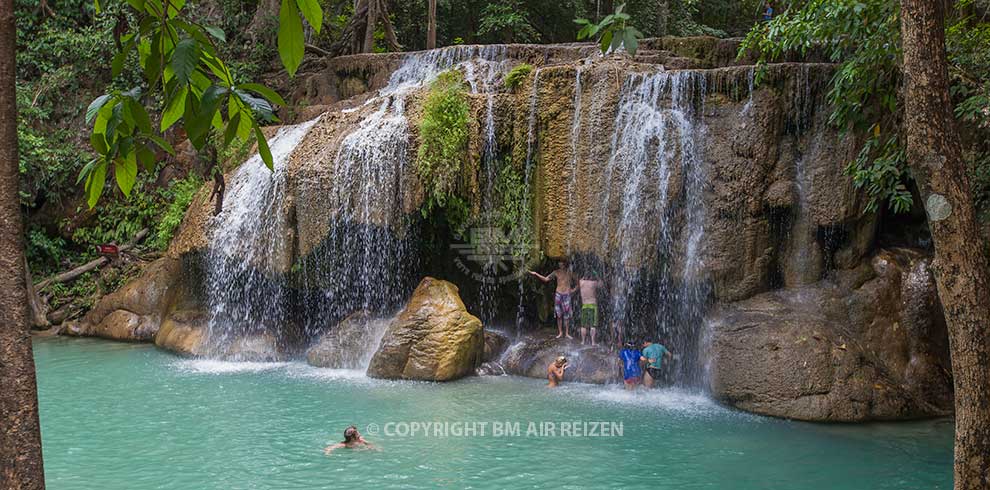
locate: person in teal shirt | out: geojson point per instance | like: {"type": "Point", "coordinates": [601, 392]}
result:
{"type": "Point", "coordinates": [653, 354]}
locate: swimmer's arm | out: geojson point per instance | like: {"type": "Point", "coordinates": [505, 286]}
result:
{"type": "Point", "coordinates": [329, 449]}
{"type": "Point", "coordinates": [542, 278]}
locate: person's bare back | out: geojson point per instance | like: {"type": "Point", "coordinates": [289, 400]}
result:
{"type": "Point", "coordinates": [589, 291]}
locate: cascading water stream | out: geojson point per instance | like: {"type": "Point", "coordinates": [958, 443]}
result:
{"type": "Point", "coordinates": [492, 70]}
{"type": "Point", "coordinates": [647, 228]}
{"type": "Point", "coordinates": [804, 260]}
{"type": "Point", "coordinates": [369, 254]}
{"type": "Point", "coordinates": [248, 249]}
{"type": "Point", "coordinates": [575, 147]}
{"type": "Point", "coordinates": [527, 177]}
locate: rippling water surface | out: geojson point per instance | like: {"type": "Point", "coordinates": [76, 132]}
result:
{"type": "Point", "coordinates": [122, 416]}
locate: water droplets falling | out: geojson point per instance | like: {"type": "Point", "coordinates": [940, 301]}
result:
{"type": "Point", "coordinates": [249, 247]}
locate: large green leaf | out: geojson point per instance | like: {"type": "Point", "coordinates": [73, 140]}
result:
{"type": "Point", "coordinates": [99, 143]}
{"type": "Point", "coordinates": [291, 43]}
{"type": "Point", "coordinates": [95, 181]}
{"type": "Point", "coordinates": [146, 157]}
{"type": "Point", "coordinates": [84, 173]}
{"type": "Point", "coordinates": [216, 32]}
{"type": "Point", "coordinates": [176, 106]}
{"type": "Point", "coordinates": [606, 41]}
{"type": "Point", "coordinates": [125, 170]}
{"type": "Point", "coordinates": [198, 126]}
{"type": "Point", "coordinates": [95, 106]}
{"type": "Point", "coordinates": [141, 119]}
{"type": "Point", "coordinates": [231, 131]}
{"type": "Point", "coordinates": [218, 67]}
{"type": "Point", "coordinates": [161, 143]}
{"type": "Point", "coordinates": [265, 92]}
{"type": "Point", "coordinates": [259, 106]}
{"type": "Point", "coordinates": [630, 41]}
{"type": "Point", "coordinates": [263, 149]}
{"type": "Point", "coordinates": [174, 6]}
{"type": "Point", "coordinates": [185, 57]}
{"type": "Point", "coordinates": [313, 13]}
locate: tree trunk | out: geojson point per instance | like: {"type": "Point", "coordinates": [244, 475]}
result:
{"type": "Point", "coordinates": [934, 153]}
{"type": "Point", "coordinates": [431, 29]}
{"type": "Point", "coordinates": [369, 29]}
{"type": "Point", "coordinates": [264, 24]}
{"type": "Point", "coordinates": [20, 433]}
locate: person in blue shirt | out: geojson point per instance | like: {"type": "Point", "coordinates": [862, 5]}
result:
{"type": "Point", "coordinates": [768, 13]}
{"type": "Point", "coordinates": [632, 373]}
{"type": "Point", "coordinates": [653, 354]}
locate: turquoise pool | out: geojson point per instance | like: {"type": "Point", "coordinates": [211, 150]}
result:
{"type": "Point", "coordinates": [123, 416]}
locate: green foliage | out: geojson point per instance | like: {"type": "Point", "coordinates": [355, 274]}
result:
{"type": "Point", "coordinates": [612, 33]}
{"type": "Point", "coordinates": [443, 133]}
{"type": "Point", "coordinates": [512, 214]}
{"type": "Point", "coordinates": [863, 38]}
{"type": "Point", "coordinates": [180, 61]}
{"type": "Point", "coordinates": [179, 195]}
{"type": "Point", "coordinates": [721, 18]}
{"type": "Point", "coordinates": [881, 169]}
{"type": "Point", "coordinates": [968, 48]}
{"type": "Point", "coordinates": [506, 21]}
{"type": "Point", "coordinates": [117, 221]}
{"type": "Point", "coordinates": [517, 75]}
{"type": "Point", "coordinates": [44, 253]}
{"type": "Point", "coordinates": [979, 174]}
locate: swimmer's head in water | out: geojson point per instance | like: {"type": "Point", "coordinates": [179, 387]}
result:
{"type": "Point", "coordinates": [561, 361]}
{"type": "Point", "coordinates": [351, 434]}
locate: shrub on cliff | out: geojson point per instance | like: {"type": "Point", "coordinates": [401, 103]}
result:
{"type": "Point", "coordinates": [443, 147]}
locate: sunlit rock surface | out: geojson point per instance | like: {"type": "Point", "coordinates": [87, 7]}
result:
{"type": "Point", "coordinates": [433, 339]}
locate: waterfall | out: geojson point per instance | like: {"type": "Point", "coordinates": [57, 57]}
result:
{"type": "Point", "coordinates": [804, 259]}
{"type": "Point", "coordinates": [575, 137]}
{"type": "Point", "coordinates": [248, 246]}
{"type": "Point", "coordinates": [370, 251]}
{"type": "Point", "coordinates": [488, 301]}
{"type": "Point", "coordinates": [652, 212]}
{"type": "Point", "coordinates": [534, 96]}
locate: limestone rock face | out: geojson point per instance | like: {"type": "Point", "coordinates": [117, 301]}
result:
{"type": "Point", "coordinates": [350, 344]}
{"type": "Point", "coordinates": [433, 339]}
{"type": "Point", "coordinates": [183, 334]}
{"type": "Point", "coordinates": [134, 312]}
{"type": "Point", "coordinates": [532, 353]}
{"type": "Point", "coordinates": [870, 346]}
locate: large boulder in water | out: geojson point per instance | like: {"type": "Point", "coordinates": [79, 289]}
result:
{"type": "Point", "coordinates": [350, 344]}
{"type": "Point", "coordinates": [870, 345]}
{"type": "Point", "coordinates": [433, 339]}
{"type": "Point", "coordinates": [531, 354]}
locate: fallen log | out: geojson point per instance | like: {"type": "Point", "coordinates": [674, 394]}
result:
{"type": "Point", "coordinates": [88, 266]}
